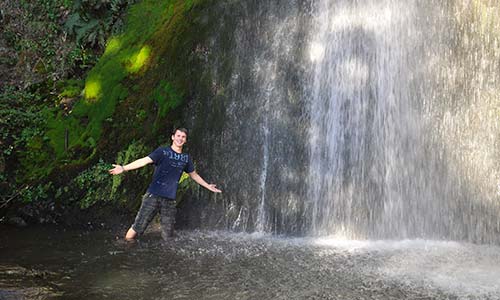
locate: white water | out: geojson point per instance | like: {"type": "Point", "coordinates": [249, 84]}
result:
{"type": "Point", "coordinates": [404, 122]}
{"type": "Point", "coordinates": [373, 119]}
{"type": "Point", "coordinates": [457, 268]}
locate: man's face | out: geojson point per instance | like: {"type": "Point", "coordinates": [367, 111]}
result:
{"type": "Point", "coordinates": [179, 138]}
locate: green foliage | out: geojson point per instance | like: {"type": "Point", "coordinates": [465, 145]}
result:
{"type": "Point", "coordinates": [141, 115]}
{"type": "Point", "coordinates": [134, 151]}
{"type": "Point", "coordinates": [20, 121]}
{"type": "Point", "coordinates": [70, 88]}
{"type": "Point", "coordinates": [39, 192]}
{"type": "Point", "coordinates": [126, 57]}
{"type": "Point", "coordinates": [62, 129]}
{"type": "Point", "coordinates": [188, 4]}
{"type": "Point", "coordinates": [38, 136]}
{"type": "Point", "coordinates": [36, 160]}
{"type": "Point", "coordinates": [81, 58]}
{"type": "Point", "coordinates": [95, 184]}
{"type": "Point", "coordinates": [92, 21]}
{"type": "Point", "coordinates": [33, 32]}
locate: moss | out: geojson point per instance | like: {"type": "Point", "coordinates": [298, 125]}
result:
{"type": "Point", "coordinates": [137, 61]}
{"type": "Point", "coordinates": [166, 97]}
{"type": "Point", "coordinates": [40, 155]}
{"type": "Point", "coordinates": [131, 97]}
{"type": "Point", "coordinates": [62, 130]}
{"type": "Point", "coordinates": [188, 4]}
{"type": "Point", "coordinates": [126, 56]}
{"type": "Point", "coordinates": [70, 88]}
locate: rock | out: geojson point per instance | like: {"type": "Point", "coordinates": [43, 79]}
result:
{"type": "Point", "coordinates": [17, 221]}
{"type": "Point", "coordinates": [10, 294]}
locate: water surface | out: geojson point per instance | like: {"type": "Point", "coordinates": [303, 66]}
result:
{"type": "Point", "coordinates": [53, 263]}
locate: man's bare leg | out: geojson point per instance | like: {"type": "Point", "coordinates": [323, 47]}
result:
{"type": "Point", "coordinates": [131, 234]}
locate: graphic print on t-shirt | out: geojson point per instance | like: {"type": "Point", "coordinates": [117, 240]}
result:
{"type": "Point", "coordinates": [177, 160]}
{"type": "Point", "coordinates": [169, 166]}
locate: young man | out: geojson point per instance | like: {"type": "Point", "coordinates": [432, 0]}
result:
{"type": "Point", "coordinates": [169, 162]}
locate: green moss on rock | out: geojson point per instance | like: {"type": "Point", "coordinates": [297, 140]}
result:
{"type": "Point", "coordinates": [125, 107]}
{"type": "Point", "coordinates": [127, 58]}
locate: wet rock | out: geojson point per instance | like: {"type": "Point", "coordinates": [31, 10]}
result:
{"type": "Point", "coordinates": [11, 295]}
{"type": "Point", "coordinates": [17, 221]}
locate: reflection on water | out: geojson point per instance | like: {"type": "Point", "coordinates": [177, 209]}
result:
{"type": "Point", "coordinates": [50, 263]}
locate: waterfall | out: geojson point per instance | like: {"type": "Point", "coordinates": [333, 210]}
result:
{"type": "Point", "coordinates": [368, 165]}
{"type": "Point", "coordinates": [363, 119]}
{"type": "Point", "coordinates": [262, 214]}
{"type": "Point", "coordinates": [390, 156]}
{"type": "Point", "coordinates": [386, 158]}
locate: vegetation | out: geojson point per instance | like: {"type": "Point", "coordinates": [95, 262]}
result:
{"type": "Point", "coordinates": [98, 86]}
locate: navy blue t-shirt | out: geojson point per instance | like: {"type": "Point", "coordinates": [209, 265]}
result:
{"type": "Point", "coordinates": [169, 166]}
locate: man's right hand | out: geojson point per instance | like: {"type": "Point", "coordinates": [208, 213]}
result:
{"type": "Point", "coordinates": [117, 169]}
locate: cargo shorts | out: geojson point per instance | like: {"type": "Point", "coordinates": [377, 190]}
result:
{"type": "Point", "coordinates": [151, 205]}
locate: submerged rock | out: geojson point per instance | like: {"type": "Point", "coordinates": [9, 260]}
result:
{"type": "Point", "coordinates": [17, 221]}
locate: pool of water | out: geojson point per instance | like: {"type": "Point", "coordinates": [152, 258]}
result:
{"type": "Point", "coordinates": [54, 263]}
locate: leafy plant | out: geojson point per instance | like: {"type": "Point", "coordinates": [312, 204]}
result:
{"type": "Point", "coordinates": [92, 21]}
{"type": "Point", "coordinates": [95, 184]}
{"type": "Point", "coordinates": [35, 193]}
{"type": "Point", "coordinates": [34, 40]}
{"type": "Point", "coordinates": [20, 120]}
{"type": "Point", "coordinates": [134, 151]}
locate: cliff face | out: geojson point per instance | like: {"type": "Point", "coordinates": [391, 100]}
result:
{"type": "Point", "coordinates": [370, 119]}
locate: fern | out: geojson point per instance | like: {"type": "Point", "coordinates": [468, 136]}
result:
{"type": "Point", "coordinates": [88, 31]}
{"type": "Point", "coordinates": [92, 21]}
{"type": "Point", "coordinates": [73, 22]}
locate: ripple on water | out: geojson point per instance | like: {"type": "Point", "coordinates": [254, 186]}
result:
{"type": "Point", "coordinates": [218, 265]}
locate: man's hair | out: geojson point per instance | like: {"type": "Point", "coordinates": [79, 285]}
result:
{"type": "Point", "coordinates": [181, 129]}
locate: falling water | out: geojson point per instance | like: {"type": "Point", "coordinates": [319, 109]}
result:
{"type": "Point", "coordinates": [389, 156]}
{"type": "Point", "coordinates": [364, 119]}
{"type": "Point", "coordinates": [261, 216]}
{"type": "Point", "coordinates": [261, 95]}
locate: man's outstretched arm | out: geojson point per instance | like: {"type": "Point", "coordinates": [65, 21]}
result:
{"type": "Point", "coordinates": [141, 162]}
{"type": "Point", "coordinates": [209, 186]}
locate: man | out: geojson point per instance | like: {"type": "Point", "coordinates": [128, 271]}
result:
{"type": "Point", "coordinates": [169, 162]}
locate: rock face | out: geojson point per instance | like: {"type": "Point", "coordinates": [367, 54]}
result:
{"type": "Point", "coordinates": [317, 117]}
{"type": "Point", "coordinates": [248, 123]}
